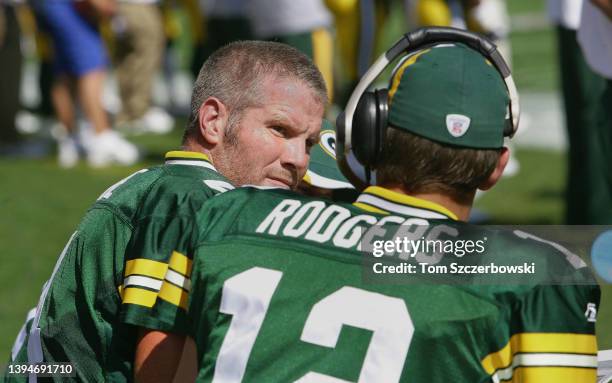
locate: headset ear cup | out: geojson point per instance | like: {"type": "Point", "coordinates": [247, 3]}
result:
{"type": "Point", "coordinates": [341, 128]}
{"type": "Point", "coordinates": [382, 115]}
{"type": "Point", "coordinates": [509, 127]}
{"type": "Point", "coordinates": [364, 129]}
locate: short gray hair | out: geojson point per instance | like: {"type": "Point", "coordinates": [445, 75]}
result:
{"type": "Point", "coordinates": [234, 72]}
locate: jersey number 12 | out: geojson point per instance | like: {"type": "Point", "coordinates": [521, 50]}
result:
{"type": "Point", "coordinates": [246, 296]}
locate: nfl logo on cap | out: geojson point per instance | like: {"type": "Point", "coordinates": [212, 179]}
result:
{"type": "Point", "coordinates": [457, 124]}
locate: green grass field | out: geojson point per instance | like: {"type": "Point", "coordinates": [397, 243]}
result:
{"type": "Point", "coordinates": [41, 204]}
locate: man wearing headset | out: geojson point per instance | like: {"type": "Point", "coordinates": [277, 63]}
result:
{"type": "Point", "coordinates": [282, 289]}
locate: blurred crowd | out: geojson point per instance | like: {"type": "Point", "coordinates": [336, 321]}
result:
{"type": "Point", "coordinates": [105, 70]}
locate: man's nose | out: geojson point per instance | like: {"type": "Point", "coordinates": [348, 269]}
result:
{"type": "Point", "coordinates": [295, 155]}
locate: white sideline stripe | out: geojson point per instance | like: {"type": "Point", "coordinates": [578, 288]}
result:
{"type": "Point", "coordinates": [178, 279]}
{"type": "Point", "coordinates": [394, 207]}
{"type": "Point", "coordinates": [546, 359]}
{"type": "Point", "coordinates": [142, 281]}
{"type": "Point", "coordinates": [203, 164]}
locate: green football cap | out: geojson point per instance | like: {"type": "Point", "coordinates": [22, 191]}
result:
{"type": "Point", "coordinates": [322, 170]}
{"type": "Point", "coordinates": [451, 94]}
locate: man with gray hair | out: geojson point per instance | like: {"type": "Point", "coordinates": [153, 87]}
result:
{"type": "Point", "coordinates": [257, 109]}
{"type": "Point", "coordinates": [239, 91]}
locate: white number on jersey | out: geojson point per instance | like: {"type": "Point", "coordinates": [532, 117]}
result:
{"type": "Point", "coordinates": [247, 297]}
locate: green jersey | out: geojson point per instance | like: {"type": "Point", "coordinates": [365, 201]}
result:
{"type": "Point", "coordinates": [76, 319]}
{"type": "Point", "coordinates": [276, 293]}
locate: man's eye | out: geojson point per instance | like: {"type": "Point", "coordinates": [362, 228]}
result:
{"type": "Point", "coordinates": [279, 130]}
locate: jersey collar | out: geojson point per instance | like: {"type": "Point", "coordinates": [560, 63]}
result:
{"type": "Point", "coordinates": [380, 200]}
{"type": "Point", "coordinates": [180, 157]}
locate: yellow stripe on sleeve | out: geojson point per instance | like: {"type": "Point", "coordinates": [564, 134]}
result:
{"type": "Point", "coordinates": [139, 297]}
{"type": "Point", "coordinates": [497, 360]}
{"type": "Point", "coordinates": [555, 342]}
{"type": "Point", "coordinates": [180, 263]}
{"type": "Point", "coordinates": [553, 375]}
{"type": "Point", "coordinates": [173, 294]}
{"type": "Point", "coordinates": [542, 343]}
{"type": "Point", "coordinates": [146, 267]}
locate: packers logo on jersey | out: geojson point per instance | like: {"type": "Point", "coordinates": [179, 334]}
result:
{"type": "Point", "coordinates": [328, 142]}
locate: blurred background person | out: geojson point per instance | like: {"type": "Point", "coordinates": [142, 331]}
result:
{"type": "Point", "coordinates": [182, 25]}
{"type": "Point", "coordinates": [217, 23]}
{"type": "Point", "coordinates": [139, 46]}
{"type": "Point", "coordinates": [489, 17]}
{"type": "Point", "coordinates": [595, 38]}
{"type": "Point", "coordinates": [27, 112]}
{"type": "Point", "coordinates": [359, 24]}
{"type": "Point", "coordinates": [305, 25]}
{"type": "Point", "coordinates": [581, 89]}
{"type": "Point", "coordinates": [80, 62]}
{"type": "Point", "coordinates": [44, 54]}
{"type": "Point", "coordinates": [10, 68]}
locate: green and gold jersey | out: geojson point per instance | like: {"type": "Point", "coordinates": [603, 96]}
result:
{"type": "Point", "coordinates": [143, 215]}
{"type": "Point", "coordinates": [275, 293]}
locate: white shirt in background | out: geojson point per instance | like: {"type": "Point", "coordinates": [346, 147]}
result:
{"type": "Point", "coordinates": [282, 17]}
{"type": "Point", "coordinates": [565, 13]}
{"type": "Point", "coordinates": [595, 39]}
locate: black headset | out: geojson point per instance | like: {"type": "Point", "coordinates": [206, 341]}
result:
{"type": "Point", "coordinates": [361, 128]}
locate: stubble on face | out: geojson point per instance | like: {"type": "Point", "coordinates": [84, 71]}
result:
{"type": "Point", "coordinates": [233, 160]}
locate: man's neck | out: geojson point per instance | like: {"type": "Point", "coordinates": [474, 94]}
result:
{"type": "Point", "coordinates": [194, 146]}
{"type": "Point", "coordinates": [460, 209]}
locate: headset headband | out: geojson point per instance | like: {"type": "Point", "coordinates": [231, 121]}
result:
{"type": "Point", "coordinates": [410, 42]}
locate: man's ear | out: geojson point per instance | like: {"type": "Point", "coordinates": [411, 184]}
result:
{"type": "Point", "coordinates": [212, 117]}
{"type": "Point", "coordinates": [498, 171]}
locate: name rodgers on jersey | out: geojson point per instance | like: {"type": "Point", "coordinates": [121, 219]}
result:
{"type": "Point", "coordinates": [318, 222]}
{"type": "Point", "coordinates": [349, 228]}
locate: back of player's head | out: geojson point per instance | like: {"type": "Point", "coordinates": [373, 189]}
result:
{"type": "Point", "coordinates": [448, 108]}
{"type": "Point", "coordinates": [233, 74]}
